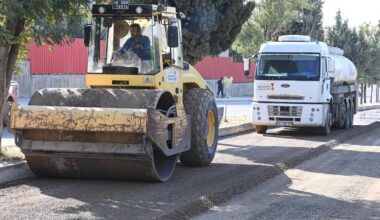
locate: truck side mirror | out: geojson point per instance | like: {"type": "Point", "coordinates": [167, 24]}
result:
{"type": "Point", "coordinates": [247, 67]}
{"type": "Point", "coordinates": [173, 36]}
{"type": "Point", "coordinates": [87, 34]}
{"type": "Point", "coordinates": [331, 66]}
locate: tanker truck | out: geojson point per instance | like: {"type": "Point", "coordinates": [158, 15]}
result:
{"type": "Point", "coordinates": [300, 82]}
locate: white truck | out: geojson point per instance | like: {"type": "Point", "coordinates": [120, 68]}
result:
{"type": "Point", "coordinates": [300, 82]}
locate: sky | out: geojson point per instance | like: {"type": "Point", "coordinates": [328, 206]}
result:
{"type": "Point", "coordinates": [355, 11]}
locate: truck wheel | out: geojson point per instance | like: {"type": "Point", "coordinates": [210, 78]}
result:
{"type": "Point", "coordinates": [342, 115]}
{"type": "Point", "coordinates": [6, 114]}
{"type": "Point", "coordinates": [261, 129]}
{"type": "Point", "coordinates": [326, 130]}
{"type": "Point", "coordinates": [200, 105]}
{"type": "Point", "coordinates": [352, 115]}
{"type": "Point", "coordinates": [347, 121]}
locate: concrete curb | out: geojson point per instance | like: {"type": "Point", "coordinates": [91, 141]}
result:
{"type": "Point", "coordinates": [14, 172]}
{"type": "Point", "coordinates": [366, 108]}
{"type": "Point", "coordinates": [246, 183]}
{"type": "Point", "coordinates": [237, 129]}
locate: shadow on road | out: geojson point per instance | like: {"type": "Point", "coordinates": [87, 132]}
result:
{"type": "Point", "coordinates": [138, 200]}
{"type": "Point", "coordinates": [281, 199]}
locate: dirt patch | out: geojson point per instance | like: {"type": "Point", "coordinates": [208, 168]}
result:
{"type": "Point", "coordinates": [10, 155]}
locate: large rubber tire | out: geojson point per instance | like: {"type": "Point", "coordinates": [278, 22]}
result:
{"type": "Point", "coordinates": [352, 114]}
{"type": "Point", "coordinates": [200, 104]}
{"type": "Point", "coordinates": [6, 114]}
{"type": "Point", "coordinates": [326, 130]}
{"type": "Point", "coordinates": [347, 121]}
{"type": "Point", "coordinates": [261, 129]}
{"type": "Point", "coordinates": [340, 120]}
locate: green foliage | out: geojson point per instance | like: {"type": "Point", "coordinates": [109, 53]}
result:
{"type": "Point", "coordinates": [236, 55]}
{"type": "Point", "coordinates": [309, 22]}
{"type": "Point", "coordinates": [210, 26]}
{"type": "Point", "coordinates": [249, 39]}
{"type": "Point", "coordinates": [371, 35]}
{"type": "Point", "coordinates": [266, 23]}
{"type": "Point", "coordinates": [274, 14]}
{"type": "Point", "coordinates": [45, 21]}
{"type": "Point", "coordinates": [361, 46]}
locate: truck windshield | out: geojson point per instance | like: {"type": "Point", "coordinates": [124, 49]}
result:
{"type": "Point", "coordinates": [123, 46]}
{"type": "Point", "coordinates": [288, 67]}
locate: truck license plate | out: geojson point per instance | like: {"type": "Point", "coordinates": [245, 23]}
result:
{"type": "Point", "coordinates": [284, 124]}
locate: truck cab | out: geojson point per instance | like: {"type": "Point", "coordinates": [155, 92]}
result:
{"type": "Point", "coordinates": [300, 82]}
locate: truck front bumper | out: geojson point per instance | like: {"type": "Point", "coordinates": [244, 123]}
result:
{"type": "Point", "coordinates": [289, 114]}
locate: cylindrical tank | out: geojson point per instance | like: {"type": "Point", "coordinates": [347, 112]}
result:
{"type": "Point", "coordinates": [345, 70]}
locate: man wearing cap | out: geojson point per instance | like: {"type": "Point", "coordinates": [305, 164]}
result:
{"type": "Point", "coordinates": [138, 44]}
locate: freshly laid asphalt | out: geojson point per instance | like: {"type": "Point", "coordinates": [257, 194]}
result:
{"type": "Point", "coordinates": [240, 159]}
{"type": "Point", "coordinates": [343, 183]}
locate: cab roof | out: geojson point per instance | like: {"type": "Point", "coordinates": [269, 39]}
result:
{"type": "Point", "coordinates": [133, 10]}
{"type": "Point", "coordinates": [295, 47]}
{"type": "Point", "coordinates": [295, 44]}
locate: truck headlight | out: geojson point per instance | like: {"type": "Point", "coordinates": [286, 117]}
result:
{"type": "Point", "coordinates": [101, 10]}
{"type": "Point", "coordinates": [139, 10]}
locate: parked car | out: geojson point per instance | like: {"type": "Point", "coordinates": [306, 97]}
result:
{"type": "Point", "coordinates": [13, 95]}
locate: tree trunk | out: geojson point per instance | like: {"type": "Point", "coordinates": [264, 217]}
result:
{"type": "Point", "coordinates": [365, 93]}
{"type": "Point", "coordinates": [361, 93]}
{"type": "Point", "coordinates": [8, 54]}
{"type": "Point", "coordinates": [371, 94]}
{"type": "Point", "coordinates": [377, 92]}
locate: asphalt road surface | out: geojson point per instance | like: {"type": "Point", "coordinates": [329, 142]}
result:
{"type": "Point", "coordinates": [238, 157]}
{"type": "Point", "coordinates": [344, 183]}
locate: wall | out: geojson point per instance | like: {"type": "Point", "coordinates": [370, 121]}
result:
{"type": "Point", "coordinates": [30, 83]}
{"type": "Point", "coordinates": [24, 78]}
{"type": "Point", "coordinates": [237, 90]}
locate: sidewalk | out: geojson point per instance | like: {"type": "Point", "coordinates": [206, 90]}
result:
{"type": "Point", "coordinates": [234, 100]}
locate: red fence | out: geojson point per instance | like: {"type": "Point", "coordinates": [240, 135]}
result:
{"type": "Point", "coordinates": [216, 67]}
{"type": "Point", "coordinates": [72, 59]}
{"type": "Point", "coordinates": [68, 59]}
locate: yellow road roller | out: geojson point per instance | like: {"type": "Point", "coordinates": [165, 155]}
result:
{"type": "Point", "coordinates": [144, 108]}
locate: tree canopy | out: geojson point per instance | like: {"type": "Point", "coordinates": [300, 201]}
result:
{"type": "Point", "coordinates": [23, 20]}
{"type": "Point", "coordinates": [266, 23]}
{"type": "Point", "coordinates": [308, 22]}
{"type": "Point", "coordinates": [361, 45]}
{"type": "Point", "coordinates": [210, 27]}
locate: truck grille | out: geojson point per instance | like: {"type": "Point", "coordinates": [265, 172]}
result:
{"type": "Point", "coordinates": [284, 97]}
{"type": "Point", "coordinates": [293, 111]}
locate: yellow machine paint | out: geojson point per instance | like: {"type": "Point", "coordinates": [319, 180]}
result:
{"type": "Point", "coordinates": [144, 107]}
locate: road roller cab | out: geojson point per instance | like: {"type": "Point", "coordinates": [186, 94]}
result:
{"type": "Point", "coordinates": [144, 107]}
{"type": "Point", "coordinates": [153, 59]}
